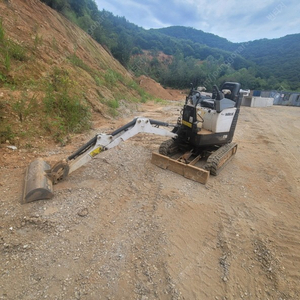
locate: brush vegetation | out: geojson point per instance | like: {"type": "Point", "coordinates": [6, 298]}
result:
{"type": "Point", "coordinates": [193, 55]}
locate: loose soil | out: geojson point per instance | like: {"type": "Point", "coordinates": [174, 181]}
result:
{"type": "Point", "coordinates": [122, 228]}
{"type": "Point", "coordinates": [155, 89]}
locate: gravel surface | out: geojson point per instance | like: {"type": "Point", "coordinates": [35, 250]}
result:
{"type": "Point", "coordinates": [122, 228]}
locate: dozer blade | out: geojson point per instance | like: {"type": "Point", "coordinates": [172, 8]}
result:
{"type": "Point", "coordinates": [187, 170]}
{"type": "Point", "coordinates": [37, 185]}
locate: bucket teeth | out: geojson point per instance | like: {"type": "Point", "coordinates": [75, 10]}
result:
{"type": "Point", "coordinates": [38, 185]}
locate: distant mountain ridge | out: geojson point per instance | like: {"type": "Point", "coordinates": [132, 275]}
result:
{"type": "Point", "coordinates": [275, 57]}
{"type": "Point", "coordinates": [197, 55]}
{"type": "Point", "coordinates": [198, 36]}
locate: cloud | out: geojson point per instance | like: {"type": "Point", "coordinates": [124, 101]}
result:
{"type": "Point", "coordinates": [236, 20]}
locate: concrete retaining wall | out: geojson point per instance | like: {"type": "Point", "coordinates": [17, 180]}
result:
{"type": "Point", "coordinates": [257, 101]}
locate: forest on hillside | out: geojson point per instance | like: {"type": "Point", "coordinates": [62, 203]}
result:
{"type": "Point", "coordinates": [178, 56]}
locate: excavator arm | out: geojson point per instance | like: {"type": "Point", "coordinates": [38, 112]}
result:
{"type": "Point", "coordinates": [102, 142]}
{"type": "Point", "coordinates": [40, 177]}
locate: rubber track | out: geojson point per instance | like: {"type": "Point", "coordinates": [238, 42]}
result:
{"type": "Point", "coordinates": [167, 147]}
{"type": "Point", "coordinates": [214, 159]}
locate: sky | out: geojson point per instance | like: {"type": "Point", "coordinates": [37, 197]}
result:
{"type": "Point", "coordinates": [235, 20]}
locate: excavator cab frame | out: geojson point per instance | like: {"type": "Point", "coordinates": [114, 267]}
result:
{"type": "Point", "coordinates": [212, 142]}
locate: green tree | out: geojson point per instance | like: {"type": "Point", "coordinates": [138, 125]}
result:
{"type": "Point", "coordinates": [122, 51]}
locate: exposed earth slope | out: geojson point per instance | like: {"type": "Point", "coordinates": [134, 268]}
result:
{"type": "Point", "coordinates": [44, 55]}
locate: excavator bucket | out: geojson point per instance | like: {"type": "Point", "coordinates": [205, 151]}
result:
{"type": "Point", "coordinates": [37, 185]}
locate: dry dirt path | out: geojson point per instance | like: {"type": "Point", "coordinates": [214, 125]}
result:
{"type": "Point", "coordinates": [121, 228]}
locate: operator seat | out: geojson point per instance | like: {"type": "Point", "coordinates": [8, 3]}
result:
{"type": "Point", "coordinates": [219, 101]}
{"type": "Point", "coordinates": [229, 100]}
{"type": "Point", "coordinates": [234, 87]}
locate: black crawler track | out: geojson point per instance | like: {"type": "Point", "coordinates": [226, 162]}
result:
{"type": "Point", "coordinates": [217, 160]}
{"type": "Point", "coordinates": [167, 147]}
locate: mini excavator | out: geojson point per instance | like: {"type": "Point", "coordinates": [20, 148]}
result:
{"type": "Point", "coordinates": [199, 144]}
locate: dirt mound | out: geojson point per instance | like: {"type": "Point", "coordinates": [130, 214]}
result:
{"type": "Point", "coordinates": [154, 88]}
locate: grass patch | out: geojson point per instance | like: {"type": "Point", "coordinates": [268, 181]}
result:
{"type": "Point", "coordinates": [25, 107]}
{"type": "Point", "coordinates": [132, 84]}
{"type": "Point", "coordinates": [114, 103]}
{"type": "Point", "coordinates": [7, 81]}
{"type": "Point", "coordinates": [142, 93]}
{"type": "Point", "coordinates": [66, 112]}
{"type": "Point", "coordinates": [161, 101]}
{"type": "Point", "coordinates": [144, 99]}
{"type": "Point", "coordinates": [3, 78]}
{"type": "Point", "coordinates": [9, 51]}
{"type": "Point", "coordinates": [16, 51]}
{"type": "Point", "coordinates": [6, 133]}
{"type": "Point", "coordinates": [58, 81]}
{"type": "Point", "coordinates": [98, 81]}
{"type": "Point", "coordinates": [113, 112]}
{"type": "Point", "coordinates": [7, 62]}
{"type": "Point", "coordinates": [9, 47]}
{"type": "Point", "coordinates": [32, 84]}
{"type": "Point", "coordinates": [111, 77]}
{"type": "Point", "coordinates": [2, 32]}
{"type": "Point", "coordinates": [10, 85]}
{"type": "Point", "coordinates": [76, 61]}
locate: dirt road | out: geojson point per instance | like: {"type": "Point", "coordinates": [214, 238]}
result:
{"type": "Point", "coordinates": [121, 228]}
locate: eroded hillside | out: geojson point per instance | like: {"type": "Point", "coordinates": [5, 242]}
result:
{"type": "Point", "coordinates": [50, 66]}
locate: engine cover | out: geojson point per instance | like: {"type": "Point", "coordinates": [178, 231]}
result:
{"type": "Point", "coordinates": [217, 122]}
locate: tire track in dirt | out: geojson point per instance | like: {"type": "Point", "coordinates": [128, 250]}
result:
{"type": "Point", "coordinates": [273, 253]}
{"type": "Point", "coordinates": [192, 235]}
{"type": "Point", "coordinates": [244, 255]}
{"type": "Point", "coordinates": [288, 245]}
{"type": "Point", "coordinates": [231, 241]}
{"type": "Point", "coordinates": [286, 181]}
